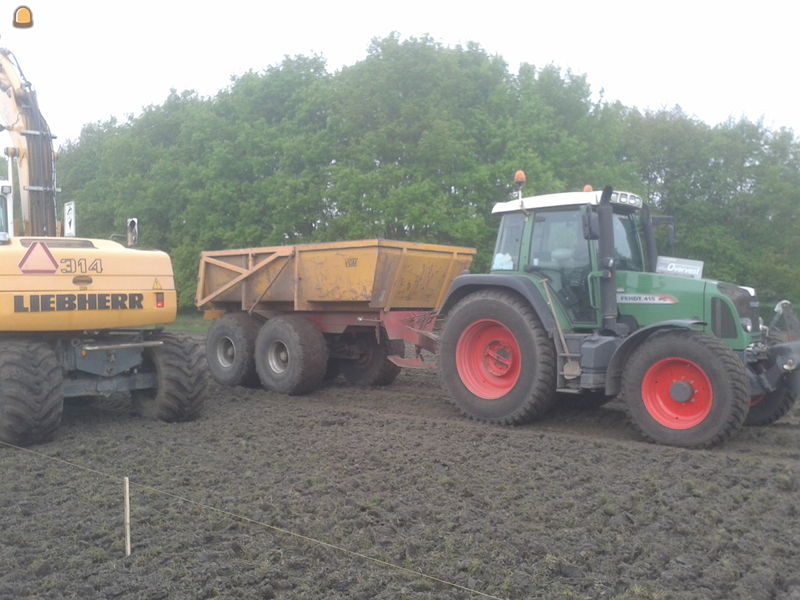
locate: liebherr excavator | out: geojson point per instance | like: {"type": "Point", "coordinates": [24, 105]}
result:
{"type": "Point", "coordinates": [76, 314]}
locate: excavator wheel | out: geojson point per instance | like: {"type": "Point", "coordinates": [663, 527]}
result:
{"type": "Point", "coordinates": [230, 349]}
{"type": "Point", "coordinates": [765, 410]}
{"type": "Point", "coordinates": [180, 368]}
{"type": "Point", "coordinates": [496, 359]}
{"type": "Point", "coordinates": [685, 388]}
{"type": "Point", "coordinates": [372, 368]}
{"type": "Point", "coordinates": [291, 355]}
{"type": "Point", "coordinates": [31, 393]}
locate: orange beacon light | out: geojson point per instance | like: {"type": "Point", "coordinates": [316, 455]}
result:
{"type": "Point", "coordinates": [23, 17]}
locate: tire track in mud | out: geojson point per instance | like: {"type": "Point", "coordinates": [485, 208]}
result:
{"type": "Point", "coordinates": [574, 505]}
{"type": "Point", "coordinates": [418, 397]}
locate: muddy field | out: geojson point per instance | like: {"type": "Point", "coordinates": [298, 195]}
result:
{"type": "Point", "coordinates": [389, 493]}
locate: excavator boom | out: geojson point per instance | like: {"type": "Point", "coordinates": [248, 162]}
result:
{"type": "Point", "coordinates": [31, 150]}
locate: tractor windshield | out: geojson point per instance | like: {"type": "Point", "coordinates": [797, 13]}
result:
{"type": "Point", "coordinates": [509, 242]}
{"type": "Point", "coordinates": [627, 249]}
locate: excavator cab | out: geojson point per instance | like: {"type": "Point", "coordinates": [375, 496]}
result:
{"type": "Point", "coordinates": [6, 211]}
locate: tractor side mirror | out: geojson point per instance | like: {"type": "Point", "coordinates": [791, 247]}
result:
{"type": "Point", "coordinates": [591, 226]}
{"type": "Point", "coordinates": [669, 221]}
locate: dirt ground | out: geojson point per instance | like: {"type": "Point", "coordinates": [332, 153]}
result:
{"type": "Point", "coordinates": [376, 485]}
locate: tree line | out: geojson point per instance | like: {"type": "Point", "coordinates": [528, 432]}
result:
{"type": "Point", "coordinates": [416, 142]}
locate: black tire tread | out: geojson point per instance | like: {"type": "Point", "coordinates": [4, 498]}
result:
{"type": "Point", "coordinates": [31, 398]}
{"type": "Point", "coordinates": [308, 348]}
{"type": "Point", "coordinates": [543, 395]}
{"type": "Point", "coordinates": [378, 370]}
{"type": "Point", "coordinates": [180, 365]}
{"type": "Point", "coordinates": [734, 372]}
{"type": "Point", "coordinates": [243, 329]}
{"type": "Point", "coordinates": [771, 408]}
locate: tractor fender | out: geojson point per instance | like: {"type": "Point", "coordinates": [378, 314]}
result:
{"type": "Point", "coordinates": [632, 342]}
{"type": "Point", "coordinates": [466, 284]}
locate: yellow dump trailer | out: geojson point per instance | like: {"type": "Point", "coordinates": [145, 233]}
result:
{"type": "Point", "coordinates": [287, 317]}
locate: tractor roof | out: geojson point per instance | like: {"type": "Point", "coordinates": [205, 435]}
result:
{"type": "Point", "coordinates": [566, 199]}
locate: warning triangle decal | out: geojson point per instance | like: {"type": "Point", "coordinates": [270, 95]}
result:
{"type": "Point", "coordinates": [38, 259]}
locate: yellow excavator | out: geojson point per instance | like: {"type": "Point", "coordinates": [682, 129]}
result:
{"type": "Point", "coordinates": [78, 317]}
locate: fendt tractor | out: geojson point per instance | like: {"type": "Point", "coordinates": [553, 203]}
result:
{"type": "Point", "coordinates": [76, 314]}
{"type": "Point", "coordinates": [577, 303]}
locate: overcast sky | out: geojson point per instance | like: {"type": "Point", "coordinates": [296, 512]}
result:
{"type": "Point", "coordinates": [90, 60]}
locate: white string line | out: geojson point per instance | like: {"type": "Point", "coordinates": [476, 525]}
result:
{"type": "Point", "coordinates": [281, 530]}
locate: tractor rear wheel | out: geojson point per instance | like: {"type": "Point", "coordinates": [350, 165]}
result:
{"type": "Point", "coordinates": [31, 395]}
{"type": "Point", "coordinates": [230, 348]}
{"type": "Point", "coordinates": [765, 410]}
{"type": "Point", "coordinates": [685, 388]}
{"type": "Point", "coordinates": [372, 368]}
{"type": "Point", "coordinates": [181, 376]}
{"type": "Point", "coordinates": [496, 359]}
{"type": "Point", "coordinates": [291, 355]}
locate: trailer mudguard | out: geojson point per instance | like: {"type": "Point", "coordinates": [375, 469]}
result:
{"type": "Point", "coordinates": [621, 354]}
{"type": "Point", "coordinates": [466, 284]}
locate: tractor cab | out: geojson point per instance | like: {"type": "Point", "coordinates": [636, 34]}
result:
{"type": "Point", "coordinates": [555, 238]}
{"type": "Point", "coordinates": [599, 265]}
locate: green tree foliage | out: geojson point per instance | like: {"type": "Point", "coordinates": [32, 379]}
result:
{"type": "Point", "coordinates": [418, 141]}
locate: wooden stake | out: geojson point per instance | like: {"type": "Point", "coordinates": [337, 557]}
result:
{"type": "Point", "coordinates": [127, 496]}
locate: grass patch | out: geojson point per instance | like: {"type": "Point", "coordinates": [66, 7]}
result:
{"type": "Point", "coordinates": [190, 322]}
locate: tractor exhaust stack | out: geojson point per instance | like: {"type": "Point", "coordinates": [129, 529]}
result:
{"type": "Point", "coordinates": [608, 280]}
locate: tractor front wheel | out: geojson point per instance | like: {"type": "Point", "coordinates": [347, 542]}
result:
{"type": "Point", "coordinates": [496, 359]}
{"type": "Point", "coordinates": [684, 388]}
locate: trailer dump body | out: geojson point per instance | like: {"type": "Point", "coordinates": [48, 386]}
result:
{"type": "Point", "coordinates": [290, 317]}
{"type": "Point", "coordinates": [365, 275]}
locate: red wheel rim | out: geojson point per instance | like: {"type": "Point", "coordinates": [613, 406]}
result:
{"type": "Point", "coordinates": [488, 359]}
{"type": "Point", "coordinates": [677, 393]}
{"type": "Point", "coordinates": [756, 400]}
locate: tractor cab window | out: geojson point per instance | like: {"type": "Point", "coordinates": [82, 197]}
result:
{"type": "Point", "coordinates": [627, 251]}
{"type": "Point", "coordinates": [509, 242]}
{"type": "Point", "coordinates": [561, 254]}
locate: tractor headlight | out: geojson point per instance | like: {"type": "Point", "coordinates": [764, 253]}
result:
{"type": "Point", "coordinates": [747, 324]}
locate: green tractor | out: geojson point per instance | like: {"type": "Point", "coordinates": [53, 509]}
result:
{"type": "Point", "coordinates": [579, 302]}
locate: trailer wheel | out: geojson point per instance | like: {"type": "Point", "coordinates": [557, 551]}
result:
{"type": "Point", "coordinates": [181, 376]}
{"type": "Point", "coordinates": [372, 368]}
{"type": "Point", "coordinates": [230, 348]}
{"type": "Point", "coordinates": [31, 395]}
{"type": "Point", "coordinates": [291, 355]}
{"type": "Point", "coordinates": [684, 388]}
{"type": "Point", "coordinates": [766, 409]}
{"type": "Point", "coordinates": [496, 359]}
